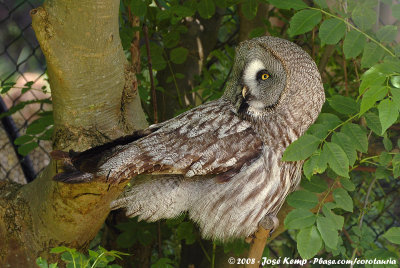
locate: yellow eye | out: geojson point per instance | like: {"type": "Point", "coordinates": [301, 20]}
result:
{"type": "Point", "coordinates": [264, 76]}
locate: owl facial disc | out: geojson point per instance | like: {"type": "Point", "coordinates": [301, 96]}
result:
{"type": "Point", "coordinates": [254, 76]}
{"type": "Point", "coordinates": [250, 73]}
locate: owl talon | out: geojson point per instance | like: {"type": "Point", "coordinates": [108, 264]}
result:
{"type": "Point", "coordinates": [269, 222]}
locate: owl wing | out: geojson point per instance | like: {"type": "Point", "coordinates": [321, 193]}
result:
{"type": "Point", "coordinates": [207, 140]}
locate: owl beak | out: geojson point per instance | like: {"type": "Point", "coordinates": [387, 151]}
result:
{"type": "Point", "coordinates": [245, 90]}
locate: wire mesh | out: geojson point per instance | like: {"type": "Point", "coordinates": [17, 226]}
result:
{"type": "Point", "coordinates": [21, 61]}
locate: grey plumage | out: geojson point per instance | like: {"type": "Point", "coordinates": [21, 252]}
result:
{"type": "Point", "coordinates": [220, 161]}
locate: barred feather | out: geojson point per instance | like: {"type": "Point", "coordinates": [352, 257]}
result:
{"type": "Point", "coordinates": [221, 161]}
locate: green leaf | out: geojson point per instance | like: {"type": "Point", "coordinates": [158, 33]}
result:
{"type": "Point", "coordinates": [371, 96]}
{"type": "Point", "coordinates": [372, 54]}
{"type": "Point", "coordinates": [27, 87]}
{"type": "Point", "coordinates": [384, 159]}
{"type": "Point", "coordinates": [372, 77]}
{"type": "Point", "coordinates": [373, 123]}
{"type": "Point", "coordinates": [304, 21]}
{"type": "Point", "coordinates": [40, 125]}
{"type": "Point", "coordinates": [357, 135]}
{"type": "Point", "coordinates": [347, 145]}
{"type": "Point", "coordinates": [328, 231]}
{"type": "Point", "coordinates": [249, 8]}
{"type": "Point", "coordinates": [395, 81]}
{"type": "Point", "coordinates": [46, 136]}
{"type": "Point", "coordinates": [288, 4]}
{"type": "Point", "coordinates": [396, 165]}
{"type": "Point", "coordinates": [163, 15]}
{"type": "Point", "coordinates": [139, 7]}
{"type": "Point", "coordinates": [382, 173]}
{"type": "Point", "coordinates": [343, 199]}
{"type": "Point", "coordinates": [337, 159]}
{"type": "Point", "coordinates": [393, 235]}
{"type": "Point", "coordinates": [206, 8]}
{"type": "Point", "coordinates": [5, 87]}
{"type": "Point", "coordinates": [183, 11]}
{"type": "Point", "coordinates": [299, 218]}
{"type": "Point", "coordinates": [171, 39]}
{"type": "Point", "coordinates": [396, 96]}
{"type": "Point", "coordinates": [387, 33]}
{"type": "Point", "coordinates": [309, 242]}
{"type": "Point", "coordinates": [336, 219]}
{"type": "Point", "coordinates": [316, 164]}
{"type": "Point", "coordinates": [302, 148]}
{"type": "Point", "coordinates": [192, 4]}
{"type": "Point", "coordinates": [178, 55]}
{"type": "Point", "coordinates": [388, 113]}
{"type": "Point", "coordinates": [363, 17]}
{"type": "Point", "coordinates": [332, 31]}
{"type": "Point", "coordinates": [329, 120]}
{"type": "Point", "coordinates": [42, 263]}
{"type": "Point", "coordinates": [26, 148]}
{"type": "Point", "coordinates": [381, 254]}
{"type": "Point", "coordinates": [353, 44]}
{"type": "Point", "coordinates": [387, 143]}
{"type": "Point", "coordinates": [22, 104]}
{"type": "Point", "coordinates": [23, 139]}
{"type": "Point", "coordinates": [163, 263]}
{"type": "Point", "coordinates": [302, 199]}
{"type": "Point", "coordinates": [343, 105]}
{"type": "Point", "coordinates": [315, 184]}
{"type": "Point", "coordinates": [389, 66]}
{"type": "Point", "coordinates": [347, 184]}
{"type": "Point", "coordinates": [319, 130]}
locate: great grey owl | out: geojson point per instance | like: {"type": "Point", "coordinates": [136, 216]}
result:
{"type": "Point", "coordinates": [221, 161]}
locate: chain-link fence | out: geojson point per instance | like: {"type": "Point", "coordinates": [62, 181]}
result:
{"type": "Point", "coordinates": [21, 61]}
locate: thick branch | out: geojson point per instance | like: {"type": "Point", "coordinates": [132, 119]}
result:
{"type": "Point", "coordinates": [94, 97]}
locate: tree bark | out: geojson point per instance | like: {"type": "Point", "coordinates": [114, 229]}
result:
{"type": "Point", "coordinates": [246, 25]}
{"type": "Point", "coordinates": [94, 100]}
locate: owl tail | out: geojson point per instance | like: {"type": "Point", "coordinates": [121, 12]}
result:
{"type": "Point", "coordinates": [79, 167]}
{"type": "Point", "coordinates": [71, 171]}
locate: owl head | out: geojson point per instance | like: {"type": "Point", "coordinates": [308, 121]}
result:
{"type": "Point", "coordinates": [273, 77]}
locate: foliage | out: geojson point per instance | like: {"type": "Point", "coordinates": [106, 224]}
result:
{"type": "Point", "coordinates": [361, 76]}
{"type": "Point", "coordinates": [39, 129]}
{"type": "Point", "coordinates": [75, 259]}
{"type": "Point", "coordinates": [357, 115]}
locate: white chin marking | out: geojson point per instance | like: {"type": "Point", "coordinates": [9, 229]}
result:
{"type": "Point", "coordinates": [250, 73]}
{"type": "Point", "coordinates": [256, 108]}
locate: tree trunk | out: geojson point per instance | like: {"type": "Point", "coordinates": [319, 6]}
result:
{"type": "Point", "coordinates": [94, 100]}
